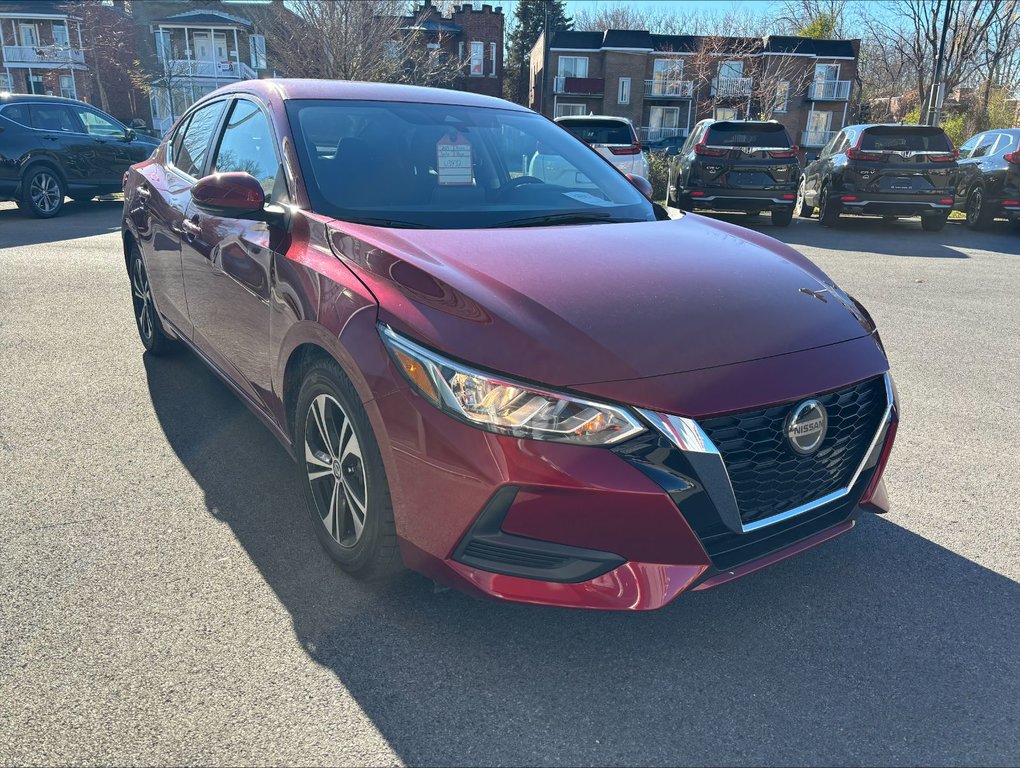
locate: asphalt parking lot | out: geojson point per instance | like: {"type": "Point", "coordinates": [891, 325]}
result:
{"type": "Point", "coordinates": [163, 598]}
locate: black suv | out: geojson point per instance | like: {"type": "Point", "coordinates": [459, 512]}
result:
{"type": "Point", "coordinates": [882, 170]}
{"type": "Point", "coordinates": [736, 165]}
{"type": "Point", "coordinates": [52, 147]}
{"type": "Point", "coordinates": [989, 185]}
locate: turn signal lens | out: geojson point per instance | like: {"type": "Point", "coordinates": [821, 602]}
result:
{"type": "Point", "coordinates": [506, 407]}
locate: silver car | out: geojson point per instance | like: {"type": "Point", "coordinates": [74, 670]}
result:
{"type": "Point", "coordinates": [613, 137]}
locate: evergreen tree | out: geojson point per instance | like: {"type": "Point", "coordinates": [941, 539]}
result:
{"type": "Point", "coordinates": [530, 18]}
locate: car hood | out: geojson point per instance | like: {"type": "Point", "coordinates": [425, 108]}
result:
{"type": "Point", "coordinates": [574, 305]}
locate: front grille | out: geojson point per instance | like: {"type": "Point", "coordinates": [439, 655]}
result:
{"type": "Point", "coordinates": [769, 477]}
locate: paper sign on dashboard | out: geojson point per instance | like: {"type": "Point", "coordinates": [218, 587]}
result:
{"type": "Point", "coordinates": [453, 160]}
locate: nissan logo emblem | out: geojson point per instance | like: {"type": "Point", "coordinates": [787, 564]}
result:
{"type": "Point", "coordinates": [806, 426]}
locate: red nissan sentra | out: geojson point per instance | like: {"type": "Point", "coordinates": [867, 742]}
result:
{"type": "Point", "coordinates": [533, 390]}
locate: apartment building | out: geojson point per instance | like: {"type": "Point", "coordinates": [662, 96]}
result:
{"type": "Point", "coordinates": [665, 83]}
{"type": "Point", "coordinates": [469, 34]}
{"type": "Point", "coordinates": [41, 50]}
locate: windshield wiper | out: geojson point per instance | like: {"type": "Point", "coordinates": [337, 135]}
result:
{"type": "Point", "coordinates": [566, 218]}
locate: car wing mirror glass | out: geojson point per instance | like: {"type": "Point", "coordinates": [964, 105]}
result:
{"type": "Point", "coordinates": [129, 134]}
{"type": "Point", "coordinates": [234, 195]}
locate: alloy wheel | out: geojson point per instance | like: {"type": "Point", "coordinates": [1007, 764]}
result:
{"type": "Point", "coordinates": [974, 209]}
{"type": "Point", "coordinates": [142, 296]}
{"type": "Point", "coordinates": [336, 470]}
{"type": "Point", "coordinates": [44, 192]}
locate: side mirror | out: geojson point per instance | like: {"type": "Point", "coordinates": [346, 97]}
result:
{"type": "Point", "coordinates": [234, 195]}
{"type": "Point", "coordinates": [644, 186]}
{"type": "Point", "coordinates": [129, 134]}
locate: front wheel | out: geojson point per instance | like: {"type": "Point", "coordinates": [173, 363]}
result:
{"type": "Point", "coordinates": [934, 222]}
{"type": "Point", "coordinates": [343, 477]}
{"type": "Point", "coordinates": [828, 209]}
{"type": "Point", "coordinates": [781, 217]}
{"type": "Point", "coordinates": [42, 193]}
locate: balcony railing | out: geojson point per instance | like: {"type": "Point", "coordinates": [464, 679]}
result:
{"type": "Point", "coordinates": [669, 89]}
{"type": "Point", "coordinates": [222, 70]}
{"type": "Point", "coordinates": [815, 138]}
{"type": "Point", "coordinates": [732, 86]}
{"type": "Point", "coordinates": [829, 90]}
{"type": "Point", "coordinates": [648, 133]}
{"type": "Point", "coordinates": [42, 54]}
{"type": "Point", "coordinates": [579, 86]}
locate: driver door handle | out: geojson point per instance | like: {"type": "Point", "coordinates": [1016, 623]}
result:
{"type": "Point", "coordinates": [191, 227]}
{"type": "Point", "coordinates": [144, 193]}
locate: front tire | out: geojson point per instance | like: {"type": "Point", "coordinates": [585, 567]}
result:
{"type": "Point", "coordinates": [934, 222]}
{"type": "Point", "coordinates": [979, 213]}
{"type": "Point", "coordinates": [150, 328]}
{"type": "Point", "coordinates": [828, 209]}
{"type": "Point", "coordinates": [42, 192]}
{"type": "Point", "coordinates": [344, 481]}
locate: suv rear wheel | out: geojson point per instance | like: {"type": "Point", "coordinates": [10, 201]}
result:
{"type": "Point", "coordinates": [828, 209]}
{"type": "Point", "coordinates": [933, 222]}
{"type": "Point", "coordinates": [42, 192]}
{"type": "Point", "coordinates": [781, 217]}
{"type": "Point", "coordinates": [979, 213]}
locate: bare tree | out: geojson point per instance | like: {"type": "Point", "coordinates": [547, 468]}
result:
{"type": "Point", "coordinates": [105, 38]}
{"type": "Point", "coordinates": [167, 81]}
{"type": "Point", "coordinates": [671, 20]}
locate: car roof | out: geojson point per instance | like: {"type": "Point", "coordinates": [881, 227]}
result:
{"type": "Point", "coordinates": [568, 118]}
{"type": "Point", "coordinates": [865, 126]}
{"type": "Point", "coordinates": [288, 88]}
{"type": "Point", "coordinates": [15, 98]}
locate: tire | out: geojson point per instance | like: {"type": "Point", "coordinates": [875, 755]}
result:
{"type": "Point", "coordinates": [979, 213]}
{"type": "Point", "coordinates": [342, 474]}
{"type": "Point", "coordinates": [670, 190]}
{"type": "Point", "coordinates": [782, 217]}
{"type": "Point", "coordinates": [752, 214]}
{"type": "Point", "coordinates": [42, 192]}
{"type": "Point", "coordinates": [934, 223]}
{"type": "Point", "coordinates": [828, 209]}
{"type": "Point", "coordinates": [150, 328]}
{"type": "Point", "coordinates": [82, 198]}
{"type": "Point", "coordinates": [801, 208]}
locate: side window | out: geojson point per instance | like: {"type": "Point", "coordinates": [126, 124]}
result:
{"type": "Point", "coordinates": [175, 143]}
{"type": "Point", "coordinates": [53, 117]}
{"type": "Point", "coordinates": [1006, 143]}
{"type": "Point", "coordinates": [968, 146]}
{"type": "Point", "coordinates": [18, 113]}
{"type": "Point", "coordinates": [190, 155]}
{"type": "Point", "coordinates": [248, 145]}
{"type": "Point", "coordinates": [97, 125]}
{"type": "Point", "coordinates": [984, 144]}
{"type": "Point", "coordinates": [830, 149]}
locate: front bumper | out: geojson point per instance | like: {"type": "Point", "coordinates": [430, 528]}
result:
{"type": "Point", "coordinates": [627, 528]}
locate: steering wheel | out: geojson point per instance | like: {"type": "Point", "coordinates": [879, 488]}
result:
{"type": "Point", "coordinates": [520, 181]}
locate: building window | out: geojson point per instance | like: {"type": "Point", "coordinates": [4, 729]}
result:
{"type": "Point", "coordinates": [477, 59]}
{"type": "Point", "coordinates": [164, 48]}
{"type": "Point", "coordinates": [573, 66]}
{"type": "Point", "coordinates": [782, 96]}
{"type": "Point", "coordinates": [67, 86]}
{"type": "Point", "coordinates": [60, 36]}
{"type": "Point", "coordinates": [667, 70]}
{"type": "Point", "coordinates": [492, 59]}
{"type": "Point", "coordinates": [257, 44]}
{"type": "Point", "coordinates": [663, 122]}
{"type": "Point", "coordinates": [724, 113]}
{"type": "Point", "coordinates": [623, 93]}
{"type": "Point", "coordinates": [565, 110]}
{"type": "Point", "coordinates": [731, 70]}
{"type": "Point", "coordinates": [35, 85]}
{"type": "Point", "coordinates": [6, 84]}
{"type": "Point", "coordinates": [29, 34]}
{"type": "Point", "coordinates": [826, 72]}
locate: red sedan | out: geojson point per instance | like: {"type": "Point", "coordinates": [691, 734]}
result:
{"type": "Point", "coordinates": [534, 389]}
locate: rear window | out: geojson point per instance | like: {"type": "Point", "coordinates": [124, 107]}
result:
{"type": "Point", "coordinates": [18, 113]}
{"type": "Point", "coordinates": [600, 131]}
{"type": "Point", "coordinates": [748, 135]}
{"type": "Point", "coordinates": [896, 138]}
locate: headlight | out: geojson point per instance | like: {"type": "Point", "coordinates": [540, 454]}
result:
{"type": "Point", "coordinates": [504, 406]}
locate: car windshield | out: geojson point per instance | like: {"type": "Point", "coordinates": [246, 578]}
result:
{"type": "Point", "coordinates": [894, 138]}
{"type": "Point", "coordinates": [748, 135]}
{"type": "Point", "coordinates": [600, 131]}
{"type": "Point", "coordinates": [440, 166]}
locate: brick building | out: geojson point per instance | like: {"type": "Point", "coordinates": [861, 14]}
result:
{"type": "Point", "coordinates": [42, 50]}
{"type": "Point", "coordinates": [665, 83]}
{"type": "Point", "coordinates": [469, 34]}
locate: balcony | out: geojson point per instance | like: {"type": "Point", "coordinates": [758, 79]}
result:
{"type": "Point", "coordinates": [648, 133]}
{"type": "Point", "coordinates": [669, 89]}
{"type": "Point", "coordinates": [829, 90]}
{"type": "Point", "coordinates": [42, 56]}
{"type": "Point", "coordinates": [579, 86]}
{"type": "Point", "coordinates": [732, 87]}
{"type": "Point", "coordinates": [220, 70]}
{"type": "Point", "coordinates": [816, 138]}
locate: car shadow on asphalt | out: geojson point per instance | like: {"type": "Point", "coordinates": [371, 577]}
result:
{"type": "Point", "coordinates": [76, 220]}
{"type": "Point", "coordinates": [878, 648]}
{"type": "Point", "coordinates": [903, 237]}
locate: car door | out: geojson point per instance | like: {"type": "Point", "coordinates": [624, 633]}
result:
{"type": "Point", "coordinates": [686, 156]}
{"type": "Point", "coordinates": [62, 137]}
{"type": "Point", "coordinates": [816, 172]}
{"type": "Point", "coordinates": [109, 154]}
{"type": "Point", "coordinates": [228, 262]}
{"type": "Point", "coordinates": [164, 194]}
{"type": "Point", "coordinates": [969, 165]}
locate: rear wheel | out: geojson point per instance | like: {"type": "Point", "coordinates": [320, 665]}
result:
{"type": "Point", "coordinates": [150, 329]}
{"type": "Point", "coordinates": [670, 189]}
{"type": "Point", "coordinates": [828, 209]}
{"type": "Point", "coordinates": [781, 217]}
{"type": "Point", "coordinates": [343, 477]}
{"type": "Point", "coordinates": [800, 207]}
{"type": "Point", "coordinates": [979, 213]}
{"type": "Point", "coordinates": [933, 222]}
{"type": "Point", "coordinates": [42, 192]}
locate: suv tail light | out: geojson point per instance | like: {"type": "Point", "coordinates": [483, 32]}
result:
{"type": "Point", "coordinates": [1012, 157]}
{"type": "Point", "coordinates": [784, 154]}
{"type": "Point", "coordinates": [862, 154]}
{"type": "Point", "coordinates": [945, 158]}
{"type": "Point", "coordinates": [701, 149]}
{"type": "Point", "coordinates": [633, 149]}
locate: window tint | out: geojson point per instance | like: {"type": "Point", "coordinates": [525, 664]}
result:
{"type": "Point", "coordinates": [748, 135]}
{"type": "Point", "coordinates": [600, 131]}
{"type": "Point", "coordinates": [190, 154]}
{"type": "Point", "coordinates": [905, 138]}
{"type": "Point", "coordinates": [175, 143]}
{"type": "Point", "coordinates": [984, 145]}
{"type": "Point", "coordinates": [248, 145]}
{"type": "Point", "coordinates": [968, 146]}
{"type": "Point", "coordinates": [18, 113]}
{"type": "Point", "coordinates": [53, 117]}
{"type": "Point", "coordinates": [97, 125]}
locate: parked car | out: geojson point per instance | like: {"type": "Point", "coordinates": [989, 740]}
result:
{"type": "Point", "coordinates": [882, 170]}
{"type": "Point", "coordinates": [529, 391]}
{"type": "Point", "coordinates": [52, 148]}
{"type": "Point", "coordinates": [612, 137]}
{"type": "Point", "coordinates": [667, 145]}
{"type": "Point", "coordinates": [989, 185]}
{"type": "Point", "coordinates": [736, 165]}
